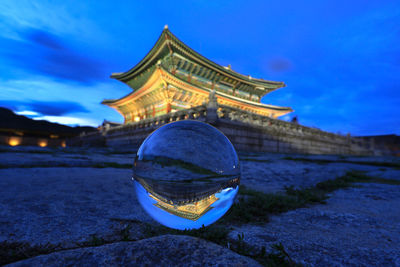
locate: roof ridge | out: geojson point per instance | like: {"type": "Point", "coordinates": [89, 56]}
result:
{"type": "Point", "coordinates": [248, 78]}
{"type": "Point", "coordinates": [122, 76]}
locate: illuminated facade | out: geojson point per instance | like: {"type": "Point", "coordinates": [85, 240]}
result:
{"type": "Point", "coordinates": [191, 211]}
{"type": "Point", "coordinates": [173, 77]}
{"type": "Point", "coordinates": [189, 201]}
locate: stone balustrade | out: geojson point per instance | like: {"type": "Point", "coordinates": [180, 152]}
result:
{"type": "Point", "coordinates": [196, 113]}
{"type": "Point", "coordinates": [246, 130]}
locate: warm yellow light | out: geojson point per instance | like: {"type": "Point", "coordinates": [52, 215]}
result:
{"type": "Point", "coordinates": [137, 118]}
{"type": "Point", "coordinates": [14, 141]}
{"type": "Point", "coordinates": [63, 144]}
{"type": "Point", "coordinates": [42, 143]}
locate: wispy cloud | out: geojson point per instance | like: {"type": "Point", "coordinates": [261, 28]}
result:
{"type": "Point", "coordinates": [51, 97]}
{"type": "Point", "coordinates": [52, 108]}
{"type": "Point", "coordinates": [28, 113]}
{"type": "Point", "coordinates": [44, 53]}
{"type": "Point", "coordinates": [48, 15]}
{"type": "Point", "coordinates": [279, 64]}
{"type": "Point", "coordinates": [72, 121]}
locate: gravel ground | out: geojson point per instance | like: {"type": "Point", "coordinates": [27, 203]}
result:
{"type": "Point", "coordinates": [64, 206]}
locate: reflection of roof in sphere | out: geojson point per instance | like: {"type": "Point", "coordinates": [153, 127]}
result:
{"type": "Point", "coordinates": [186, 149]}
{"type": "Point", "coordinates": [182, 192]}
{"type": "Point", "coordinates": [191, 211]}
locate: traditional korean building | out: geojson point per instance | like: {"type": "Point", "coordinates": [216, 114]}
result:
{"type": "Point", "coordinates": [187, 200]}
{"type": "Point", "coordinates": [191, 211]}
{"type": "Point", "coordinates": [172, 77]}
{"type": "Point", "coordinates": [173, 82]}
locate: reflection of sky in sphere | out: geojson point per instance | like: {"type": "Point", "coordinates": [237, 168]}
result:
{"type": "Point", "coordinates": [220, 207]}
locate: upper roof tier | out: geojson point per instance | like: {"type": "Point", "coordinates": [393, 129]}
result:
{"type": "Point", "coordinates": [176, 55]}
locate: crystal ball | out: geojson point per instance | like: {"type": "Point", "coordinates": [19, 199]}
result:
{"type": "Point", "coordinates": [186, 174]}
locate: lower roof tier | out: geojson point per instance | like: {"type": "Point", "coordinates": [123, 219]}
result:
{"type": "Point", "coordinates": [165, 92]}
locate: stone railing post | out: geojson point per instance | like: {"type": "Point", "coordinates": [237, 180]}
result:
{"type": "Point", "coordinates": [212, 106]}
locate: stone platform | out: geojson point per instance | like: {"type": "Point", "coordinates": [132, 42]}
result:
{"type": "Point", "coordinates": [81, 201]}
{"type": "Point", "coordinates": [247, 132]}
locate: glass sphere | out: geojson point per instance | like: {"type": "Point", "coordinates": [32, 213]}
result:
{"type": "Point", "coordinates": [186, 174]}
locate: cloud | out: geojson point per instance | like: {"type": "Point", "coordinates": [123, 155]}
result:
{"type": "Point", "coordinates": [57, 108]}
{"type": "Point", "coordinates": [41, 52]}
{"type": "Point", "coordinates": [18, 94]}
{"type": "Point", "coordinates": [72, 121]}
{"type": "Point", "coordinates": [279, 64]}
{"type": "Point", "coordinates": [28, 113]}
{"type": "Point", "coordinates": [46, 108]}
{"type": "Point", "coordinates": [45, 39]}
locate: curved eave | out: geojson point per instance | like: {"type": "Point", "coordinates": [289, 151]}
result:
{"type": "Point", "coordinates": [123, 75]}
{"type": "Point", "coordinates": [259, 105]}
{"type": "Point", "coordinates": [234, 98]}
{"type": "Point", "coordinates": [157, 48]}
{"type": "Point", "coordinates": [154, 77]}
{"type": "Point", "coordinates": [111, 102]}
{"type": "Point", "coordinates": [116, 102]}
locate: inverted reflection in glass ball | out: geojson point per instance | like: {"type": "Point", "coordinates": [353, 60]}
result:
{"type": "Point", "coordinates": [186, 174]}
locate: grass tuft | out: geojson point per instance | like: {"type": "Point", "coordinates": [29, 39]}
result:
{"type": "Point", "coordinates": [255, 207]}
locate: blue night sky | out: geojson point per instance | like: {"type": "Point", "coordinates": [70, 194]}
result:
{"type": "Point", "coordinates": [339, 59]}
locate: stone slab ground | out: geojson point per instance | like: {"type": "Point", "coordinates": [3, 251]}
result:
{"type": "Point", "coordinates": [68, 200]}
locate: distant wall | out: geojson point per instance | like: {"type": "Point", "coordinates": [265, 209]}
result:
{"type": "Point", "coordinates": [247, 132]}
{"type": "Point", "coordinates": [290, 139]}
{"type": "Point", "coordinates": [387, 144]}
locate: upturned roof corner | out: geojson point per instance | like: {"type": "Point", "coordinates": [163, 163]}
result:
{"type": "Point", "coordinates": [170, 44]}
